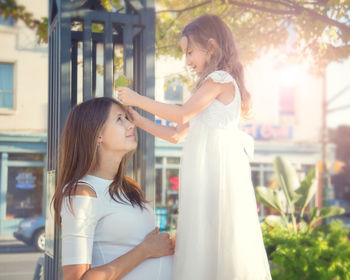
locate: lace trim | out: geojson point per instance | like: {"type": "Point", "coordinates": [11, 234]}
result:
{"type": "Point", "coordinates": [221, 76]}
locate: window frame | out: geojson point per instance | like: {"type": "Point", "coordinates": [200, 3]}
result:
{"type": "Point", "coordinates": [11, 111]}
{"type": "Point", "coordinates": [179, 83]}
{"type": "Point", "coordinates": [11, 20]}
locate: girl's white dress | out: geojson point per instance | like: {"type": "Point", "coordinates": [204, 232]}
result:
{"type": "Point", "coordinates": [218, 235]}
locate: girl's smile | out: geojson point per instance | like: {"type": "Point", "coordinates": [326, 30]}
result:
{"type": "Point", "coordinates": [196, 57]}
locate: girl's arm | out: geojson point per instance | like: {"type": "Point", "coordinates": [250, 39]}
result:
{"type": "Point", "coordinates": [179, 114]}
{"type": "Point", "coordinates": [170, 134]}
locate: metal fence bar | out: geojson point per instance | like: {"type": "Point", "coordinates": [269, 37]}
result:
{"type": "Point", "coordinates": [94, 68]}
{"type": "Point", "coordinates": [100, 16]}
{"type": "Point", "coordinates": [74, 63]}
{"type": "Point", "coordinates": [108, 59]}
{"type": "Point", "coordinates": [53, 47]}
{"type": "Point", "coordinates": [148, 88]}
{"type": "Point", "coordinates": [96, 37]}
{"type": "Point", "coordinates": [128, 51]}
{"type": "Point", "coordinates": [87, 59]}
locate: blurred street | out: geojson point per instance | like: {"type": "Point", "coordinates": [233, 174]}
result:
{"type": "Point", "coordinates": [17, 260]}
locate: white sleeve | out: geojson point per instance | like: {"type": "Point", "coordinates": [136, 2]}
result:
{"type": "Point", "coordinates": [78, 229]}
{"type": "Point", "coordinates": [222, 77]}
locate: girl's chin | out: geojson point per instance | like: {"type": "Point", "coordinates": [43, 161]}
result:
{"type": "Point", "coordinates": [198, 72]}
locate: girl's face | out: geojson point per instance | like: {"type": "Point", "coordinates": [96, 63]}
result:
{"type": "Point", "coordinates": [196, 56]}
{"type": "Point", "coordinates": [118, 133]}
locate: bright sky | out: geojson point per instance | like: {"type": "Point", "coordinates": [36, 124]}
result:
{"type": "Point", "coordinates": [338, 77]}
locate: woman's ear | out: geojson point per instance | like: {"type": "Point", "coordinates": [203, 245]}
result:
{"type": "Point", "coordinates": [212, 46]}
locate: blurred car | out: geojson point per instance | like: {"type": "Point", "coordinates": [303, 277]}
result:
{"type": "Point", "coordinates": [32, 232]}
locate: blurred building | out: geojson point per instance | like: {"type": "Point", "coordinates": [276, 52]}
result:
{"type": "Point", "coordinates": [23, 120]}
{"type": "Point", "coordinates": [286, 122]}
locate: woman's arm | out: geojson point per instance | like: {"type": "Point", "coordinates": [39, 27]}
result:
{"type": "Point", "coordinates": [179, 114]}
{"type": "Point", "coordinates": [170, 134]}
{"type": "Point", "coordinates": [154, 245]}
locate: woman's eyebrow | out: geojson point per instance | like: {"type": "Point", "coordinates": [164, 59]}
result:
{"type": "Point", "coordinates": [120, 115]}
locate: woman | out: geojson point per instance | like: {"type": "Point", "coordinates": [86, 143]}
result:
{"type": "Point", "coordinates": [108, 230]}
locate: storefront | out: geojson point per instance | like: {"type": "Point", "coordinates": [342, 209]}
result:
{"type": "Point", "coordinates": [303, 156]}
{"type": "Point", "coordinates": [167, 167]}
{"type": "Point", "coordinates": [22, 179]}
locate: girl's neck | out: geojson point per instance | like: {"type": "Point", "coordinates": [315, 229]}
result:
{"type": "Point", "coordinates": [107, 167]}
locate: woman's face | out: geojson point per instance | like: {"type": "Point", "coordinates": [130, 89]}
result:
{"type": "Point", "coordinates": [196, 57]}
{"type": "Point", "coordinates": [118, 133]}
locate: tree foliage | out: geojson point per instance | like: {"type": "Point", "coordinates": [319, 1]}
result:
{"type": "Point", "coordinates": [315, 29]}
{"type": "Point", "coordinates": [319, 30]}
{"type": "Point", "coordinates": [10, 8]}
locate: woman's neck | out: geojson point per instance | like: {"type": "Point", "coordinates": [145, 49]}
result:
{"type": "Point", "coordinates": [107, 167]}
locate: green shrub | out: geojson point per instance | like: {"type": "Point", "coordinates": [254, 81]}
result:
{"type": "Point", "coordinates": [319, 254]}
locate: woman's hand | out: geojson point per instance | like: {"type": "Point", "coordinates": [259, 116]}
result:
{"type": "Point", "coordinates": [157, 244]}
{"type": "Point", "coordinates": [128, 96]}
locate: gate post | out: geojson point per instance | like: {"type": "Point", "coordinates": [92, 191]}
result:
{"type": "Point", "coordinates": [82, 32]}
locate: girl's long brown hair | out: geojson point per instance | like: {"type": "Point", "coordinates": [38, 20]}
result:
{"type": "Point", "coordinates": [225, 56]}
{"type": "Point", "coordinates": [79, 155]}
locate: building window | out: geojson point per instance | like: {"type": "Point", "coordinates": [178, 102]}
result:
{"type": "Point", "coordinates": [6, 85]}
{"type": "Point", "coordinates": [26, 157]}
{"type": "Point", "coordinates": [173, 91]}
{"type": "Point", "coordinates": [9, 21]}
{"type": "Point", "coordinates": [173, 160]}
{"type": "Point", "coordinates": [24, 192]}
{"type": "Point", "coordinates": [167, 188]}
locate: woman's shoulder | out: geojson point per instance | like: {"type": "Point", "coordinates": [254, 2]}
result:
{"type": "Point", "coordinates": [220, 76]}
{"type": "Point", "coordinates": [81, 187]}
{"type": "Point", "coordinates": [84, 189]}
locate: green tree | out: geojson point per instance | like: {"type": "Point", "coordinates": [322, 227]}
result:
{"type": "Point", "coordinates": [10, 8]}
{"type": "Point", "coordinates": [321, 27]}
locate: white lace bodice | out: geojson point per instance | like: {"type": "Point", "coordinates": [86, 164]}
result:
{"type": "Point", "coordinates": [217, 114]}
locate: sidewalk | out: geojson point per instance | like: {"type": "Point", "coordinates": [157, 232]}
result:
{"type": "Point", "coordinates": [9, 245]}
{"type": "Point", "coordinates": [17, 260]}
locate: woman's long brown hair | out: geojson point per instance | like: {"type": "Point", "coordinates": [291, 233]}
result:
{"type": "Point", "coordinates": [225, 56]}
{"type": "Point", "coordinates": [79, 155]}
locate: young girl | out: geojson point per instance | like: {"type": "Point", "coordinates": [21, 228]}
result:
{"type": "Point", "coordinates": [218, 235]}
{"type": "Point", "coordinates": [108, 230]}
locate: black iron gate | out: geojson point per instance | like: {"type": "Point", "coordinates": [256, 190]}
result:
{"type": "Point", "coordinates": [88, 48]}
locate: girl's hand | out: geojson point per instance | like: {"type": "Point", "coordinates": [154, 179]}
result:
{"type": "Point", "coordinates": [135, 116]}
{"type": "Point", "coordinates": [157, 244]}
{"type": "Point", "coordinates": [128, 96]}
{"type": "Point", "coordinates": [173, 240]}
